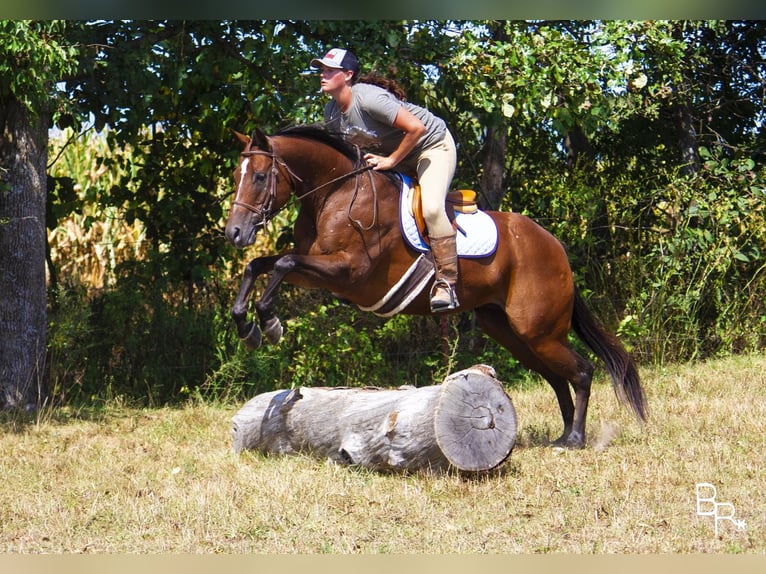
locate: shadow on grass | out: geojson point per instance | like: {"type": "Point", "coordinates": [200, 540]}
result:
{"type": "Point", "coordinates": [17, 421]}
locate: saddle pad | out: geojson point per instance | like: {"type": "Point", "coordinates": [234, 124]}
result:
{"type": "Point", "coordinates": [476, 234]}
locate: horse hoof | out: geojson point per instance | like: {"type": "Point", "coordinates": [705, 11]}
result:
{"type": "Point", "coordinates": [569, 442]}
{"type": "Point", "coordinates": [273, 330]}
{"type": "Point", "coordinates": [252, 339]}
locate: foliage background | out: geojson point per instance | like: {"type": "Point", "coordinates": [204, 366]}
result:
{"type": "Point", "coordinates": [639, 144]}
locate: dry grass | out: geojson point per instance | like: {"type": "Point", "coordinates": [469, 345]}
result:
{"type": "Point", "coordinates": [123, 480]}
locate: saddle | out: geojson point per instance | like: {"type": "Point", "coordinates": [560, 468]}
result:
{"type": "Point", "coordinates": [458, 201]}
{"type": "Point", "coordinates": [477, 239]}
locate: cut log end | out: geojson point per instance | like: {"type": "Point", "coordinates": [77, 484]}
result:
{"type": "Point", "coordinates": [475, 422]}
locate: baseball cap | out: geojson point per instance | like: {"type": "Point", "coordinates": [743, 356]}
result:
{"type": "Point", "coordinates": [337, 58]}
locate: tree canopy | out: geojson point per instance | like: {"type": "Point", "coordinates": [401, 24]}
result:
{"type": "Point", "coordinates": [639, 143]}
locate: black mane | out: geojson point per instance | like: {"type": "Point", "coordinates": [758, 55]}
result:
{"type": "Point", "coordinates": [319, 133]}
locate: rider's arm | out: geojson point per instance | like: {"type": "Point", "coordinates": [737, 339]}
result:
{"type": "Point", "coordinates": [413, 130]}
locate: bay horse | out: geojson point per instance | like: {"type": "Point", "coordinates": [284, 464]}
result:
{"type": "Point", "coordinates": [347, 240]}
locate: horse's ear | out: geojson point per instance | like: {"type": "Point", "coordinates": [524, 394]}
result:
{"type": "Point", "coordinates": [260, 140]}
{"type": "Point", "coordinates": [243, 139]}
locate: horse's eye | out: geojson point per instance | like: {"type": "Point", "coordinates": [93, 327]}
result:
{"type": "Point", "coordinates": [259, 177]}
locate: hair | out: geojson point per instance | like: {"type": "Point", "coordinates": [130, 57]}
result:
{"type": "Point", "coordinates": [387, 84]}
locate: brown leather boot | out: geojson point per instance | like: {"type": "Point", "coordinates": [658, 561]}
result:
{"type": "Point", "coordinates": [443, 295]}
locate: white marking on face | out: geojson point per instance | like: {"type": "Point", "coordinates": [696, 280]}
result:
{"type": "Point", "coordinates": [242, 173]}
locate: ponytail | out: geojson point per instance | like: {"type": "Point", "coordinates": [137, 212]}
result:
{"type": "Point", "coordinates": [385, 83]}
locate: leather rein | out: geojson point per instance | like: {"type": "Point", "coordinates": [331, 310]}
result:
{"type": "Point", "coordinates": [265, 213]}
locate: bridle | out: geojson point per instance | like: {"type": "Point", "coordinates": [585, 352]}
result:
{"type": "Point", "coordinates": [264, 212]}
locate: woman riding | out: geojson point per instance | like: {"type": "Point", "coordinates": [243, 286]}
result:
{"type": "Point", "coordinates": [403, 136]}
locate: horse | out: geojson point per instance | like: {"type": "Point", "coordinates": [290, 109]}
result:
{"type": "Point", "coordinates": [348, 241]}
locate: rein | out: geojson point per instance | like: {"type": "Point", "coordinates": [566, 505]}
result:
{"type": "Point", "coordinates": [265, 212]}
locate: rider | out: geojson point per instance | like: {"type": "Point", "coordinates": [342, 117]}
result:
{"type": "Point", "coordinates": [405, 136]}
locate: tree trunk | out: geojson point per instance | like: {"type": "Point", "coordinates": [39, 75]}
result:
{"type": "Point", "coordinates": [581, 158]}
{"type": "Point", "coordinates": [23, 316]}
{"type": "Point", "coordinates": [468, 423]}
{"type": "Point", "coordinates": [493, 174]}
{"type": "Point", "coordinates": [495, 145]}
{"type": "Point", "coordinates": [684, 118]}
{"type": "Point", "coordinates": [580, 154]}
{"type": "Point", "coordinates": [687, 140]}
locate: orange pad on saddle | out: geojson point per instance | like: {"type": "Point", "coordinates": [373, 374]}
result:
{"type": "Point", "coordinates": [458, 201]}
{"type": "Point", "coordinates": [476, 230]}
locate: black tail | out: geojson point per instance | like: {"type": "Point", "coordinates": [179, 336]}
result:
{"type": "Point", "coordinates": [608, 348]}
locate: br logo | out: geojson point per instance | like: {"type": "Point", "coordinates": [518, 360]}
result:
{"type": "Point", "coordinates": [707, 506]}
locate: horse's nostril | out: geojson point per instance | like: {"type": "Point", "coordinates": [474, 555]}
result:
{"type": "Point", "coordinates": [232, 233]}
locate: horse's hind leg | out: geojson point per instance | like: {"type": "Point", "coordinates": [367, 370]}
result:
{"type": "Point", "coordinates": [557, 362]}
{"type": "Point", "coordinates": [566, 367]}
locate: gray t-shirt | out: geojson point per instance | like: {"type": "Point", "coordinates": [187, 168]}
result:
{"type": "Point", "coordinates": [371, 116]}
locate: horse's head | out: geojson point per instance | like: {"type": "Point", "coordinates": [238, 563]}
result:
{"type": "Point", "coordinates": [262, 184]}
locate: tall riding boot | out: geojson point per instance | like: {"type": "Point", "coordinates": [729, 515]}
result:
{"type": "Point", "coordinates": [443, 295]}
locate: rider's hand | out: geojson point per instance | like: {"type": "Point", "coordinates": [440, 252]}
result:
{"type": "Point", "coordinates": [379, 162]}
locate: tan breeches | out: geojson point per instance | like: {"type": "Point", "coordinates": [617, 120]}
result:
{"type": "Point", "coordinates": [436, 167]}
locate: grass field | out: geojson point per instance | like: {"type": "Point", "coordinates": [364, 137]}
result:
{"type": "Point", "coordinates": [126, 480]}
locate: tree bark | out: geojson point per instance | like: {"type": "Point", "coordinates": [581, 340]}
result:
{"type": "Point", "coordinates": [467, 423]}
{"type": "Point", "coordinates": [581, 157]}
{"type": "Point", "coordinates": [23, 316]}
{"type": "Point", "coordinates": [684, 117]}
{"type": "Point", "coordinates": [580, 154]}
{"type": "Point", "coordinates": [687, 140]}
{"type": "Point", "coordinates": [495, 143]}
{"type": "Point", "coordinates": [493, 174]}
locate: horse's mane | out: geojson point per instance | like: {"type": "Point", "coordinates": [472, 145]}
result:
{"type": "Point", "coordinates": [319, 133]}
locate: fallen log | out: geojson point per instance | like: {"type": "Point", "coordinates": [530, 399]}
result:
{"type": "Point", "coordinates": [468, 423]}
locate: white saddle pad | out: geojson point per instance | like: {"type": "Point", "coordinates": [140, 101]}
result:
{"type": "Point", "coordinates": [476, 234]}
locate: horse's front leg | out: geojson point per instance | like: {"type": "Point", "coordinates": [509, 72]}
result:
{"type": "Point", "coordinates": [310, 271]}
{"type": "Point", "coordinates": [249, 331]}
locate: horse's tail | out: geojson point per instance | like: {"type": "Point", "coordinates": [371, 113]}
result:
{"type": "Point", "coordinates": [607, 347]}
